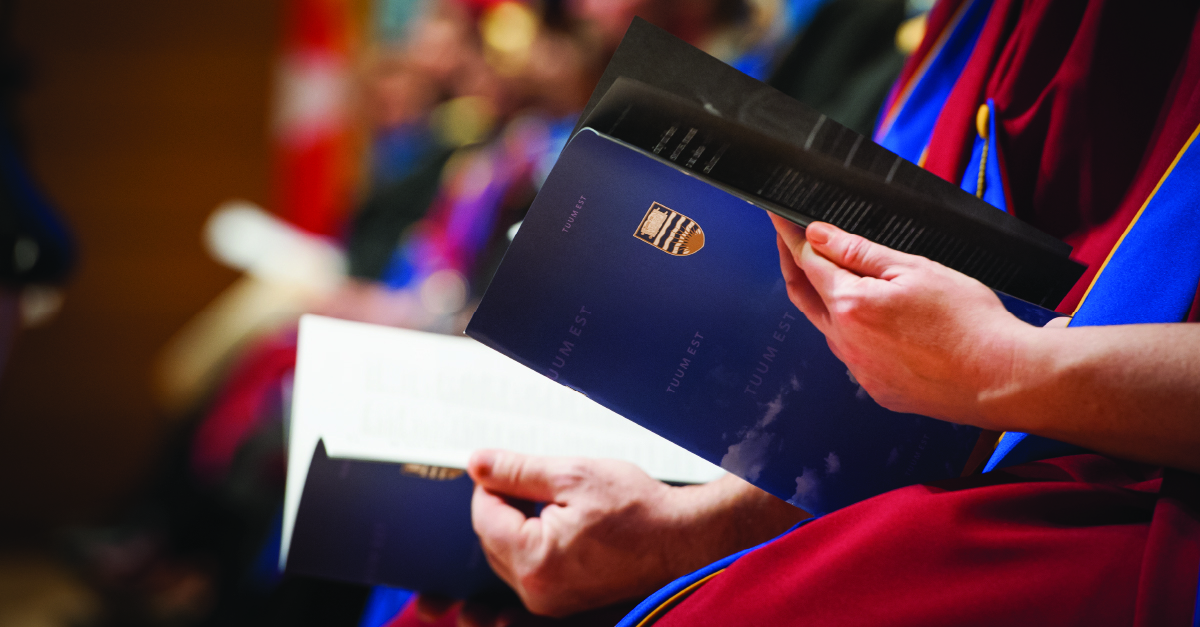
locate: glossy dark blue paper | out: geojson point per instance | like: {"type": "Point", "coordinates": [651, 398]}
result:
{"type": "Point", "coordinates": [370, 522]}
{"type": "Point", "coordinates": [704, 349]}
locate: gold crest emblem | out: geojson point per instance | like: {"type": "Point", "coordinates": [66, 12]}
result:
{"type": "Point", "coordinates": [436, 473]}
{"type": "Point", "coordinates": [670, 231]}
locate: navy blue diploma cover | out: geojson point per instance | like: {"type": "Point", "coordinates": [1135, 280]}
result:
{"type": "Point", "coordinates": [659, 296]}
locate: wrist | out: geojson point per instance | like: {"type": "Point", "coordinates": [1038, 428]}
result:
{"type": "Point", "coordinates": [1007, 397]}
{"type": "Point", "coordinates": [725, 516]}
{"type": "Point", "coordinates": [694, 526]}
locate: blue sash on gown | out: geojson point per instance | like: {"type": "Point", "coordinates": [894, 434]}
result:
{"type": "Point", "coordinates": [906, 126]}
{"type": "Point", "coordinates": [1150, 276]}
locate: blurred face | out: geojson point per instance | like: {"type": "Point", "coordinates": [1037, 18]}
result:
{"type": "Point", "coordinates": [559, 75]}
{"type": "Point", "coordinates": [439, 46]}
{"type": "Point", "coordinates": [478, 79]}
{"type": "Point", "coordinates": [690, 20]}
{"type": "Point", "coordinates": [399, 92]}
{"type": "Point", "coordinates": [612, 17]}
{"type": "Point", "coordinates": [445, 48]}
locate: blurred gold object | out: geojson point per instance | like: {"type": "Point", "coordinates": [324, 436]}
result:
{"type": "Point", "coordinates": [436, 473]}
{"type": "Point", "coordinates": [982, 124]}
{"type": "Point", "coordinates": [463, 121]}
{"type": "Point", "coordinates": [508, 30]}
{"type": "Point", "coordinates": [981, 120]}
{"type": "Point", "coordinates": [910, 34]}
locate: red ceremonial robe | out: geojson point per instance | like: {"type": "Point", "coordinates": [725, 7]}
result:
{"type": "Point", "coordinates": [1079, 540]}
{"type": "Point", "coordinates": [1091, 105]}
{"type": "Point", "coordinates": [1093, 102]}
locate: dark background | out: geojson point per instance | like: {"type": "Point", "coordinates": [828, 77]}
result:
{"type": "Point", "coordinates": [139, 117]}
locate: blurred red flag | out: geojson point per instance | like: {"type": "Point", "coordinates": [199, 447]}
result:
{"type": "Point", "coordinates": [313, 135]}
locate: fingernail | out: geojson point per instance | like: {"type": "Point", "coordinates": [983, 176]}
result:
{"type": "Point", "coordinates": [817, 233]}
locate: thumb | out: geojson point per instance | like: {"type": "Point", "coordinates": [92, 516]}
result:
{"type": "Point", "coordinates": [852, 252]}
{"type": "Point", "coordinates": [513, 474]}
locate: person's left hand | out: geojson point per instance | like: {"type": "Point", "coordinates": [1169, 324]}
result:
{"type": "Point", "coordinates": [608, 531]}
{"type": "Point", "coordinates": [918, 336]}
{"type": "Point", "coordinates": [593, 543]}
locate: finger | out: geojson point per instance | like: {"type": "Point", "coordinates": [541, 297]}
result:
{"type": "Point", "coordinates": [512, 474]}
{"type": "Point", "coordinates": [432, 607]}
{"type": "Point", "coordinates": [504, 531]}
{"type": "Point", "coordinates": [852, 252]}
{"type": "Point", "coordinates": [498, 523]}
{"type": "Point", "coordinates": [792, 234]}
{"type": "Point", "coordinates": [800, 290]}
{"type": "Point", "coordinates": [790, 239]}
{"type": "Point", "coordinates": [824, 275]}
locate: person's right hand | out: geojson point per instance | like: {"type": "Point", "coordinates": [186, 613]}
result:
{"type": "Point", "coordinates": [918, 336]}
{"type": "Point", "coordinates": [608, 532]}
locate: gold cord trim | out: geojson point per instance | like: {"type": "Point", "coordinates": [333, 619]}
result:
{"type": "Point", "coordinates": [666, 606]}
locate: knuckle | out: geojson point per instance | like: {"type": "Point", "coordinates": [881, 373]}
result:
{"type": "Point", "coordinates": [571, 473]}
{"type": "Point", "coordinates": [858, 303]}
{"type": "Point", "coordinates": [857, 249]}
{"type": "Point", "coordinates": [844, 308]}
{"type": "Point", "coordinates": [848, 303]}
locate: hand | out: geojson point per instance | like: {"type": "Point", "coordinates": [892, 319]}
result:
{"type": "Point", "coordinates": [601, 537]}
{"type": "Point", "coordinates": [608, 532]}
{"type": "Point", "coordinates": [918, 336]}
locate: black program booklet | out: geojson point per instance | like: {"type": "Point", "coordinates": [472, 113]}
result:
{"type": "Point", "coordinates": [679, 104]}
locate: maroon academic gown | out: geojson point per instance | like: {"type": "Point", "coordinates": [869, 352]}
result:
{"type": "Point", "coordinates": [1093, 100]}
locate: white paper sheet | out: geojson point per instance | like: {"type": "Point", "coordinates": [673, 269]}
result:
{"type": "Point", "coordinates": [386, 394]}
